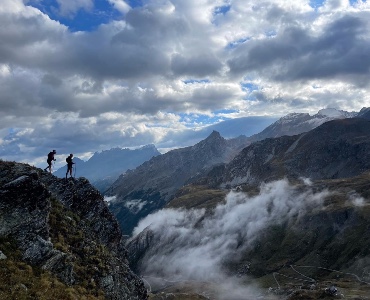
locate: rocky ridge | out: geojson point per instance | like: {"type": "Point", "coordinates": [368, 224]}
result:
{"type": "Point", "coordinates": [336, 149]}
{"type": "Point", "coordinates": [151, 185]}
{"type": "Point", "coordinates": [297, 123]}
{"type": "Point", "coordinates": [63, 228]}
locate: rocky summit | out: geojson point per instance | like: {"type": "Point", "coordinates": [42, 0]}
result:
{"type": "Point", "coordinates": [58, 240]}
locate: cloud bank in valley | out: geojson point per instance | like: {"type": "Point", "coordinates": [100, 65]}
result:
{"type": "Point", "coordinates": [188, 247]}
{"type": "Point", "coordinates": [154, 70]}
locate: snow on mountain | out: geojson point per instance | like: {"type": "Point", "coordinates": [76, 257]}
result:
{"type": "Point", "coordinates": [296, 123]}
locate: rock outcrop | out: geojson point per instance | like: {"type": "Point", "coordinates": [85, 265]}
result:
{"type": "Point", "coordinates": [65, 228]}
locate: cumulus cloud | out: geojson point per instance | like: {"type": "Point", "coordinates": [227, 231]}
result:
{"type": "Point", "coordinates": [177, 57]}
{"type": "Point", "coordinates": [120, 5]}
{"type": "Point", "coordinates": [191, 246]}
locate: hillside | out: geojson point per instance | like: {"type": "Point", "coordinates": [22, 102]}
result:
{"type": "Point", "coordinates": [336, 149]}
{"type": "Point", "coordinates": [282, 240]}
{"type": "Point", "coordinates": [58, 240]}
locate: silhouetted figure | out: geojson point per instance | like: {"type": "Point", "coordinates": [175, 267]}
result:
{"type": "Point", "coordinates": [50, 159]}
{"type": "Point", "coordinates": [70, 164]}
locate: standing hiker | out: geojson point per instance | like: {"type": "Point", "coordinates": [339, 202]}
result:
{"type": "Point", "coordinates": [70, 164]}
{"type": "Point", "coordinates": [50, 159]}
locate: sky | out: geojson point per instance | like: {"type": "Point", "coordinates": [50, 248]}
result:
{"type": "Point", "coordinates": [81, 76]}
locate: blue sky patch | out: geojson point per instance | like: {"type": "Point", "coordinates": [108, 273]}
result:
{"type": "Point", "coordinates": [316, 3]}
{"type": "Point", "coordinates": [83, 20]}
{"type": "Point", "coordinates": [194, 120]}
{"type": "Point", "coordinates": [236, 43]}
{"type": "Point", "coordinates": [222, 9]}
{"type": "Point", "coordinates": [248, 86]}
{"type": "Point", "coordinates": [190, 81]}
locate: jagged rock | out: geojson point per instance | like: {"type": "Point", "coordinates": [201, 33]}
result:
{"type": "Point", "coordinates": [65, 227]}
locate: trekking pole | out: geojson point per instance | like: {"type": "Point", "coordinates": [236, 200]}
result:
{"type": "Point", "coordinates": [75, 170]}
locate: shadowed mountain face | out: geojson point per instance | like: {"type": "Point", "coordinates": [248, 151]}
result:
{"type": "Point", "coordinates": [364, 113]}
{"type": "Point", "coordinates": [336, 149]}
{"type": "Point", "coordinates": [151, 185]}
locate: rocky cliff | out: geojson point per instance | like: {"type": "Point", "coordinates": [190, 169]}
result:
{"type": "Point", "coordinates": [63, 237]}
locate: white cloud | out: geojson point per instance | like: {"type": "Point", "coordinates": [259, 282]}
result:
{"type": "Point", "coordinates": [70, 7]}
{"type": "Point", "coordinates": [120, 5]}
{"type": "Point", "coordinates": [138, 65]}
{"type": "Point", "coordinates": [190, 247]}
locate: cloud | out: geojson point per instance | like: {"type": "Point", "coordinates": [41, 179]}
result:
{"type": "Point", "coordinates": [190, 245]}
{"type": "Point", "coordinates": [142, 63]}
{"type": "Point", "coordinates": [120, 5]}
{"type": "Point", "coordinates": [298, 54]}
{"type": "Point", "coordinates": [70, 7]}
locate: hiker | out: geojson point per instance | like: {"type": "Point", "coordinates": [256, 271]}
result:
{"type": "Point", "coordinates": [50, 159]}
{"type": "Point", "coordinates": [70, 163]}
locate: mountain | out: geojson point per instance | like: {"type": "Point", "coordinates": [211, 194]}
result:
{"type": "Point", "coordinates": [364, 113]}
{"type": "Point", "coordinates": [58, 240]}
{"type": "Point", "coordinates": [336, 149]}
{"type": "Point", "coordinates": [296, 123]}
{"type": "Point", "coordinates": [287, 218]}
{"type": "Point", "coordinates": [150, 186]}
{"type": "Point", "coordinates": [283, 240]}
{"type": "Point", "coordinates": [103, 168]}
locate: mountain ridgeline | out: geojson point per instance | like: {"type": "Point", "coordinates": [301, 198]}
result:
{"type": "Point", "coordinates": [291, 213]}
{"type": "Point", "coordinates": [153, 184]}
{"type": "Point", "coordinates": [103, 168]}
{"type": "Point", "coordinates": [150, 186]}
{"type": "Point", "coordinates": [283, 214]}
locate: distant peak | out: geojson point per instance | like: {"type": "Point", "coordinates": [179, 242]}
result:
{"type": "Point", "coordinates": [214, 135]}
{"type": "Point", "coordinates": [149, 146]}
{"type": "Point", "coordinates": [330, 112]}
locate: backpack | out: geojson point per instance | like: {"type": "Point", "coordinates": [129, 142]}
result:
{"type": "Point", "coordinates": [50, 156]}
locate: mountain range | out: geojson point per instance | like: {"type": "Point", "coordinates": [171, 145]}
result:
{"type": "Point", "coordinates": [282, 215]}
{"type": "Point", "coordinates": [150, 186]}
{"type": "Point", "coordinates": [290, 212]}
{"type": "Point", "coordinates": [103, 168]}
